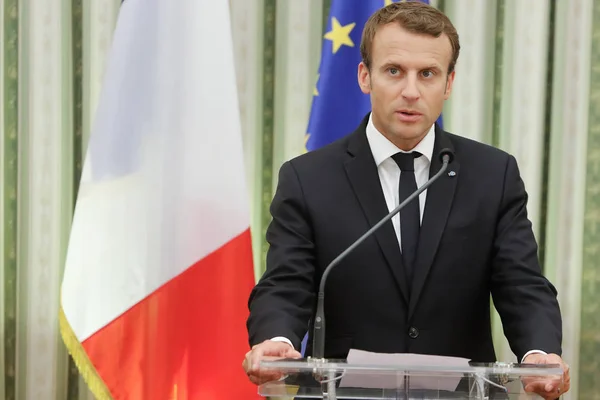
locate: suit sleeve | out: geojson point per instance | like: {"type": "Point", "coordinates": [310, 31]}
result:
{"type": "Point", "coordinates": [281, 303]}
{"type": "Point", "coordinates": [524, 298]}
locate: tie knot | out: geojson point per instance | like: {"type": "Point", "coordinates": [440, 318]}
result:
{"type": "Point", "coordinates": [406, 161]}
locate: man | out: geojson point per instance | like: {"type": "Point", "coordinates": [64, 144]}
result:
{"type": "Point", "coordinates": [421, 283]}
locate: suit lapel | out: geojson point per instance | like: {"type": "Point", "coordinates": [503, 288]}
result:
{"type": "Point", "coordinates": [437, 207]}
{"type": "Point", "coordinates": [364, 179]}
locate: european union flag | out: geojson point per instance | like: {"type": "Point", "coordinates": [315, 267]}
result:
{"type": "Point", "coordinates": [338, 103]}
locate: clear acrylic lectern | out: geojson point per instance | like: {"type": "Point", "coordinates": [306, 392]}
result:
{"type": "Point", "coordinates": [337, 379]}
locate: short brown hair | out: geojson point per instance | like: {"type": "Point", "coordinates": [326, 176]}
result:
{"type": "Point", "coordinates": [415, 17]}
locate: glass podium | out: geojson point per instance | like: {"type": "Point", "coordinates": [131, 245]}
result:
{"type": "Point", "coordinates": [338, 379]}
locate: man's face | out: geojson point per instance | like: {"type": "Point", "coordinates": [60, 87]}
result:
{"type": "Point", "coordinates": [408, 83]}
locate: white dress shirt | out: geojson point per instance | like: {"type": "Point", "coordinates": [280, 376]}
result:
{"type": "Point", "coordinates": [389, 172]}
{"type": "Point", "coordinates": [389, 176]}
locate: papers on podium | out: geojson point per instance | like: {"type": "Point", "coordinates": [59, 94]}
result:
{"type": "Point", "coordinates": [398, 379]}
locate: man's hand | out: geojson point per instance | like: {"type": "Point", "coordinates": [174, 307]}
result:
{"type": "Point", "coordinates": [548, 388]}
{"type": "Point", "coordinates": [266, 349]}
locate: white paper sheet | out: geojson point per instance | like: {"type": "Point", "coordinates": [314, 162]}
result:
{"type": "Point", "coordinates": [393, 380]}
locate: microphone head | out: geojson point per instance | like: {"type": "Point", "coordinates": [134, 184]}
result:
{"type": "Point", "coordinates": [446, 153]}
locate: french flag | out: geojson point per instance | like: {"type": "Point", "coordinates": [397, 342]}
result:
{"type": "Point", "coordinates": [159, 263]}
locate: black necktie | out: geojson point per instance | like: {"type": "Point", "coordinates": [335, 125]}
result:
{"type": "Point", "coordinates": [410, 215]}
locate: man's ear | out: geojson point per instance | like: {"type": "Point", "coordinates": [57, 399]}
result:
{"type": "Point", "coordinates": [449, 82]}
{"type": "Point", "coordinates": [364, 78]}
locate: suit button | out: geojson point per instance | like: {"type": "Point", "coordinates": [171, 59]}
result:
{"type": "Point", "coordinates": [413, 332]}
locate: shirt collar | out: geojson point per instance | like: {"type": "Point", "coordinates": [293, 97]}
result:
{"type": "Point", "coordinates": [383, 149]}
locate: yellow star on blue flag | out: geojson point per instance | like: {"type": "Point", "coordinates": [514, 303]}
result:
{"type": "Point", "coordinates": [338, 104]}
{"type": "Point", "coordinates": [340, 35]}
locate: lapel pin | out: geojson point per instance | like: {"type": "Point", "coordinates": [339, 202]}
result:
{"type": "Point", "coordinates": [451, 173]}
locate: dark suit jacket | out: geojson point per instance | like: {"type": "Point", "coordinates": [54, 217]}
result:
{"type": "Point", "coordinates": [475, 239]}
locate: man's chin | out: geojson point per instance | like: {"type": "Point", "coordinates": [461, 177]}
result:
{"type": "Point", "coordinates": [406, 140]}
{"type": "Point", "coordinates": [411, 131]}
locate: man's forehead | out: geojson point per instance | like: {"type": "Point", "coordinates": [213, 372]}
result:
{"type": "Point", "coordinates": [400, 43]}
{"type": "Point", "coordinates": [394, 32]}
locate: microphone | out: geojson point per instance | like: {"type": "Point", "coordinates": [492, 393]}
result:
{"type": "Point", "coordinates": [446, 157]}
